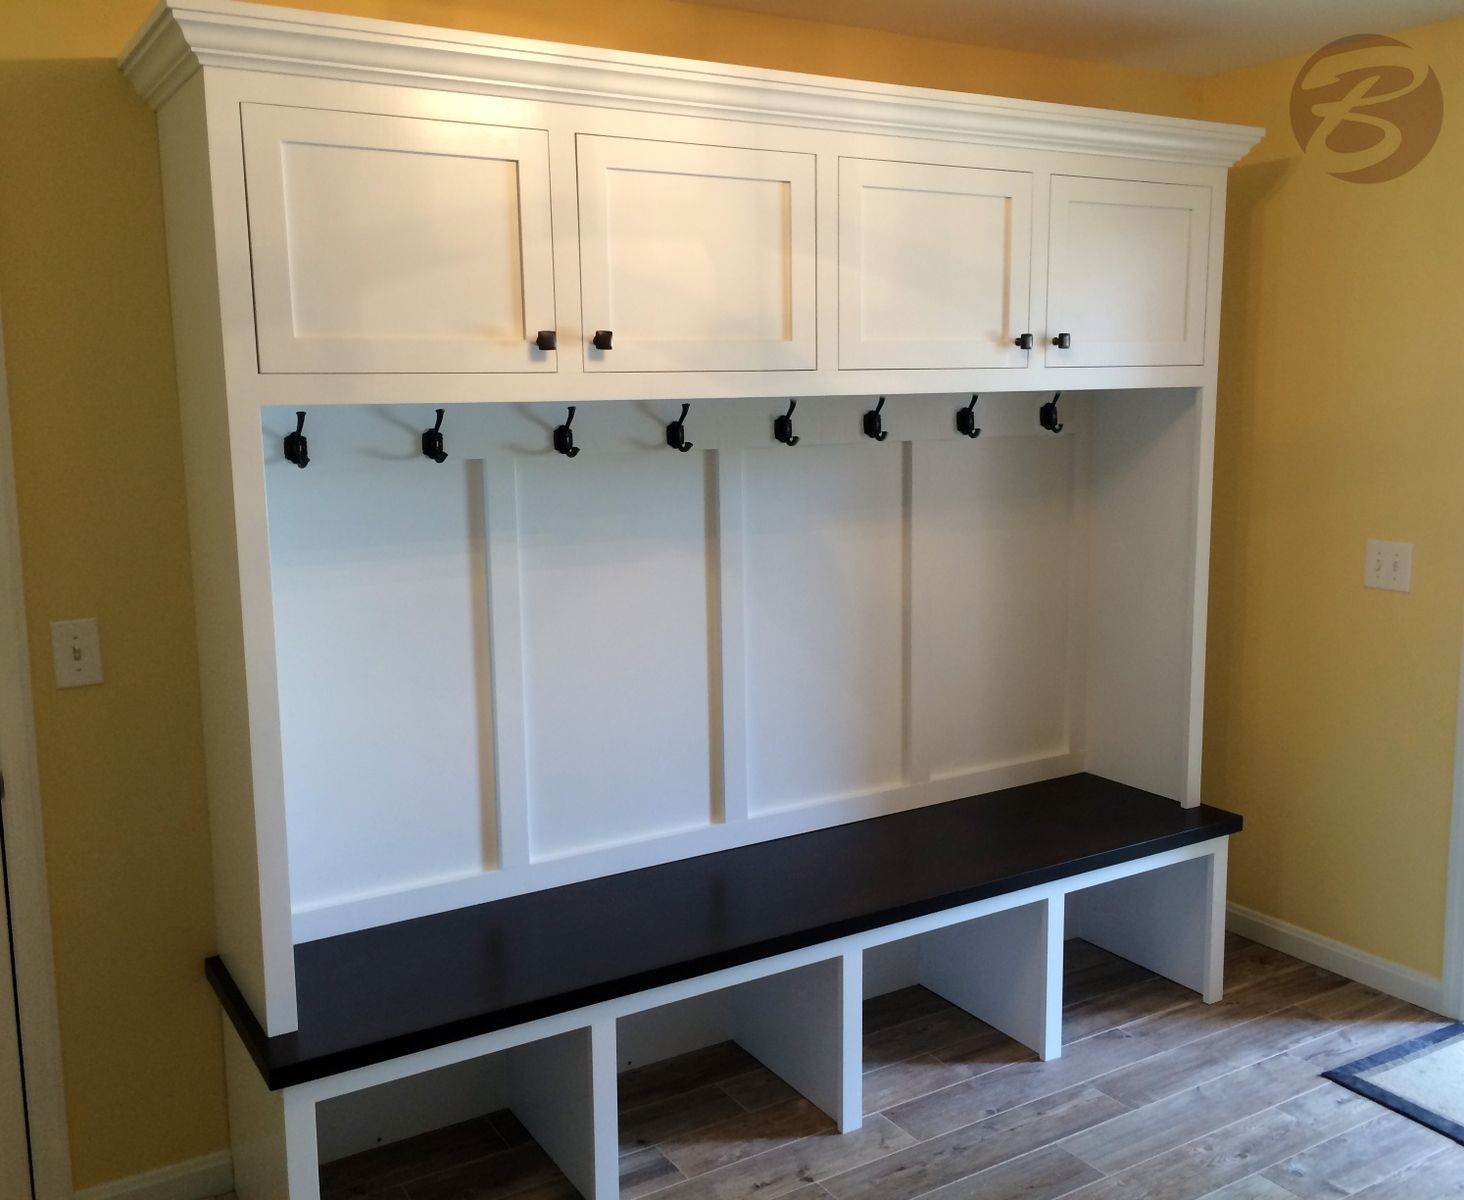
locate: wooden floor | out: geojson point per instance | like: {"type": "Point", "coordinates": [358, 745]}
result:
{"type": "Point", "coordinates": [1156, 1095]}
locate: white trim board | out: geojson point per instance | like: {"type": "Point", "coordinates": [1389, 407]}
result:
{"type": "Point", "coordinates": [180, 36]}
{"type": "Point", "coordinates": [1453, 986]}
{"type": "Point", "coordinates": [1347, 961]}
{"type": "Point", "coordinates": [40, 1033]}
{"type": "Point", "coordinates": [196, 1179]}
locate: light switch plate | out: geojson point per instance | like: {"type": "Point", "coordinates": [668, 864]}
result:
{"type": "Point", "coordinates": [76, 653]}
{"type": "Point", "coordinates": [1389, 566]}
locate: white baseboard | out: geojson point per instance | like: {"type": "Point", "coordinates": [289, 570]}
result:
{"type": "Point", "coordinates": [1390, 977]}
{"type": "Point", "coordinates": [197, 1179]}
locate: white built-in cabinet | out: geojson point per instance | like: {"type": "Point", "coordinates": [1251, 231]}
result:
{"type": "Point", "coordinates": [1127, 273]}
{"type": "Point", "coordinates": [696, 257]}
{"type": "Point", "coordinates": [395, 244]}
{"type": "Point", "coordinates": [935, 265]}
{"type": "Point", "coordinates": [430, 684]}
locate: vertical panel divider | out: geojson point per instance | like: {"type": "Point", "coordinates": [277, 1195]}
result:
{"type": "Point", "coordinates": [605, 1107]}
{"type": "Point", "coordinates": [851, 1025]}
{"type": "Point", "coordinates": [1085, 433]}
{"type": "Point", "coordinates": [731, 633]}
{"type": "Point", "coordinates": [506, 655]}
{"type": "Point", "coordinates": [916, 632]}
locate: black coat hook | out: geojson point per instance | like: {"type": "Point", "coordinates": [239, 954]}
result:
{"type": "Point", "coordinates": [564, 436]}
{"type": "Point", "coordinates": [676, 431]}
{"type": "Point", "coordinates": [432, 442]}
{"type": "Point", "coordinates": [1047, 415]}
{"type": "Point", "coordinates": [966, 419]}
{"type": "Point", "coordinates": [874, 423]}
{"type": "Point", "coordinates": [783, 426]}
{"type": "Point", "coordinates": [297, 446]}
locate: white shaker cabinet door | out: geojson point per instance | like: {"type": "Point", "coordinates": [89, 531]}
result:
{"type": "Point", "coordinates": [1127, 273]}
{"type": "Point", "coordinates": [696, 257]}
{"type": "Point", "coordinates": [397, 244]}
{"type": "Point", "coordinates": [935, 265]}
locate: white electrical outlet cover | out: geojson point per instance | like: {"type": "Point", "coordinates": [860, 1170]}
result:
{"type": "Point", "coordinates": [1389, 566]}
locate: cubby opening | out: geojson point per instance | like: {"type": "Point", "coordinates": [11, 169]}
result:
{"type": "Point", "coordinates": [1166, 920]}
{"type": "Point", "coordinates": [494, 1125]}
{"type": "Point", "coordinates": [700, 1076]}
{"type": "Point", "coordinates": [957, 999]}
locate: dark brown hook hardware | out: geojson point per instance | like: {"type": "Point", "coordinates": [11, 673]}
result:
{"type": "Point", "coordinates": [676, 431]}
{"type": "Point", "coordinates": [783, 426]}
{"type": "Point", "coordinates": [564, 437]}
{"type": "Point", "coordinates": [432, 442]}
{"type": "Point", "coordinates": [297, 446]}
{"type": "Point", "coordinates": [874, 422]}
{"type": "Point", "coordinates": [1047, 415]}
{"type": "Point", "coordinates": [966, 420]}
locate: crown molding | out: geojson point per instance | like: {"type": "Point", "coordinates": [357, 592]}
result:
{"type": "Point", "coordinates": [180, 37]}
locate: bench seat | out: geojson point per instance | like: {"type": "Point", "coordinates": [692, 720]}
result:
{"type": "Point", "coordinates": [381, 993]}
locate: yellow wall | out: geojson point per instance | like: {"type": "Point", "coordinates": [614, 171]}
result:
{"type": "Point", "coordinates": [83, 291]}
{"type": "Point", "coordinates": [1331, 708]}
{"type": "Point", "coordinates": [1336, 423]}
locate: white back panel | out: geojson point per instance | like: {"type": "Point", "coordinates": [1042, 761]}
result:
{"type": "Point", "coordinates": [994, 527]}
{"type": "Point", "coordinates": [1145, 447]}
{"type": "Point", "coordinates": [615, 585]}
{"type": "Point", "coordinates": [380, 623]}
{"type": "Point", "coordinates": [823, 579]}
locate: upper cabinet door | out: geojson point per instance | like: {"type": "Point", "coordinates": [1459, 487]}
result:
{"type": "Point", "coordinates": [935, 263]}
{"type": "Point", "coordinates": [396, 244]}
{"type": "Point", "coordinates": [1127, 274]}
{"type": "Point", "coordinates": [696, 258]}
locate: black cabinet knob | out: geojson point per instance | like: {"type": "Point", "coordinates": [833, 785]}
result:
{"type": "Point", "coordinates": [601, 340]}
{"type": "Point", "coordinates": [1063, 341]}
{"type": "Point", "coordinates": [548, 339]}
{"type": "Point", "coordinates": [1025, 341]}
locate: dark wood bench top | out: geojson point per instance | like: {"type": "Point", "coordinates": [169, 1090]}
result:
{"type": "Point", "coordinates": [373, 995]}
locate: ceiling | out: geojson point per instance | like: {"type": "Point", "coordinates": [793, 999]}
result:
{"type": "Point", "coordinates": [1193, 37]}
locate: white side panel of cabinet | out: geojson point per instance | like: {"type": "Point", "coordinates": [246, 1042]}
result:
{"type": "Point", "coordinates": [380, 623]}
{"type": "Point", "coordinates": [615, 585]}
{"type": "Point", "coordinates": [1145, 449]}
{"type": "Point", "coordinates": [697, 258]}
{"type": "Point", "coordinates": [396, 244]}
{"type": "Point", "coordinates": [1127, 272]}
{"type": "Point", "coordinates": [823, 622]}
{"type": "Point", "coordinates": [995, 536]}
{"type": "Point", "coordinates": [934, 265]}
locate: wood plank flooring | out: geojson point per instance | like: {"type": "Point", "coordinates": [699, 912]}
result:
{"type": "Point", "coordinates": [1157, 1096]}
